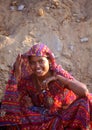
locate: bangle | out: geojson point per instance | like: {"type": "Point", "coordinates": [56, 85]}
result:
{"type": "Point", "coordinates": [55, 77]}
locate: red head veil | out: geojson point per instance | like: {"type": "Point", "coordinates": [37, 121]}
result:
{"type": "Point", "coordinates": [42, 50]}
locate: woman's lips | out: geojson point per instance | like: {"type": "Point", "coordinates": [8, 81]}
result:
{"type": "Point", "coordinates": [39, 71]}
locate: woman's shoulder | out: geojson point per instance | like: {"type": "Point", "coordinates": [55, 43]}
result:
{"type": "Point", "coordinates": [26, 79]}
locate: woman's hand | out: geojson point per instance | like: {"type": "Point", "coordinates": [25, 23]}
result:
{"type": "Point", "coordinates": [76, 86]}
{"type": "Point", "coordinates": [17, 70]}
{"type": "Point", "coordinates": [48, 80]}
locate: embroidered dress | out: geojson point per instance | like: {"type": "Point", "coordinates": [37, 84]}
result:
{"type": "Point", "coordinates": [54, 108]}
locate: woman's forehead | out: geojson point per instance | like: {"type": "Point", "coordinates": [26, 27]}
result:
{"type": "Point", "coordinates": [36, 58]}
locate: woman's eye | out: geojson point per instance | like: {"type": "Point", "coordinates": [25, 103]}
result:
{"type": "Point", "coordinates": [32, 63]}
{"type": "Point", "coordinates": [41, 61]}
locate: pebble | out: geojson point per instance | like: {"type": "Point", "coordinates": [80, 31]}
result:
{"type": "Point", "coordinates": [12, 8]}
{"type": "Point", "coordinates": [75, 14]}
{"type": "Point", "coordinates": [47, 8]}
{"type": "Point", "coordinates": [71, 47]}
{"type": "Point", "coordinates": [84, 39]}
{"type": "Point", "coordinates": [78, 20]}
{"type": "Point", "coordinates": [9, 51]}
{"type": "Point", "coordinates": [56, 2]}
{"type": "Point", "coordinates": [21, 7]}
{"type": "Point", "coordinates": [2, 67]}
{"type": "Point", "coordinates": [41, 12]}
{"type": "Point", "coordinates": [23, 45]}
{"type": "Point", "coordinates": [14, 3]}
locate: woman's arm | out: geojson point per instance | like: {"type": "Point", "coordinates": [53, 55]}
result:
{"type": "Point", "coordinates": [77, 87]}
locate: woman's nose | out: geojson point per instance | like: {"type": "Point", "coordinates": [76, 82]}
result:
{"type": "Point", "coordinates": [37, 65]}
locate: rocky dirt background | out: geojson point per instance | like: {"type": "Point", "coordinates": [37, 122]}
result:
{"type": "Point", "coordinates": [64, 25]}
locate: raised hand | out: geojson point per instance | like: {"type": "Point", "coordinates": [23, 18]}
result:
{"type": "Point", "coordinates": [48, 80]}
{"type": "Point", "coordinates": [18, 64]}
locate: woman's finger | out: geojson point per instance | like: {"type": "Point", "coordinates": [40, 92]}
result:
{"type": "Point", "coordinates": [48, 80]}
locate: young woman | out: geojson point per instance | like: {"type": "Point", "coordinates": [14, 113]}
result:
{"type": "Point", "coordinates": [41, 95]}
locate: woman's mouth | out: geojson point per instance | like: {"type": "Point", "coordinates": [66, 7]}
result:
{"type": "Point", "coordinates": [39, 71]}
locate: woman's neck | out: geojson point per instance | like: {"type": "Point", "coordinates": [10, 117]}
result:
{"type": "Point", "coordinates": [42, 78]}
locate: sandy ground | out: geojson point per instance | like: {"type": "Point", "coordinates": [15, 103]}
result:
{"type": "Point", "coordinates": [65, 26]}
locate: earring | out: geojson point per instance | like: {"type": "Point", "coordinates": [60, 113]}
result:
{"type": "Point", "coordinates": [50, 65]}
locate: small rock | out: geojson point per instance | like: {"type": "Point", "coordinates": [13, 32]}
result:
{"type": "Point", "coordinates": [71, 47]}
{"type": "Point", "coordinates": [53, 6]}
{"type": "Point", "coordinates": [9, 66]}
{"type": "Point", "coordinates": [21, 7]}
{"type": "Point", "coordinates": [14, 3]}
{"type": "Point", "coordinates": [40, 12]}
{"type": "Point", "coordinates": [12, 8]}
{"type": "Point", "coordinates": [47, 7]}
{"type": "Point", "coordinates": [9, 51]}
{"type": "Point", "coordinates": [75, 15]}
{"type": "Point", "coordinates": [56, 2]}
{"type": "Point", "coordinates": [23, 45]}
{"type": "Point", "coordinates": [2, 67]}
{"type": "Point", "coordinates": [84, 39]}
{"type": "Point", "coordinates": [78, 20]}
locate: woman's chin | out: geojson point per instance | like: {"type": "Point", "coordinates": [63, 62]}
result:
{"type": "Point", "coordinates": [40, 74]}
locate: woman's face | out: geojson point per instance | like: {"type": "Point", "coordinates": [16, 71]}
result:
{"type": "Point", "coordinates": [39, 65]}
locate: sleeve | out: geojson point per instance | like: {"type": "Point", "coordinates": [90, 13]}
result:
{"type": "Point", "coordinates": [69, 95]}
{"type": "Point", "coordinates": [15, 99]}
{"type": "Point", "coordinates": [11, 94]}
{"type": "Point", "coordinates": [10, 109]}
{"type": "Point", "coordinates": [24, 97]}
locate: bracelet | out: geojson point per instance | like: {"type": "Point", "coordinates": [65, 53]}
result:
{"type": "Point", "coordinates": [55, 77]}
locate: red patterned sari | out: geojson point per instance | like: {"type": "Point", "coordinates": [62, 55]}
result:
{"type": "Point", "coordinates": [57, 108]}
